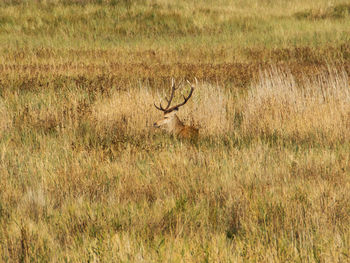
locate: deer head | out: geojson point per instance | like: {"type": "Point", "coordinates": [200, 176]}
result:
{"type": "Point", "coordinates": [170, 122]}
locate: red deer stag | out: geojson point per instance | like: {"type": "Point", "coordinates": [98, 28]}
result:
{"type": "Point", "coordinates": [171, 122]}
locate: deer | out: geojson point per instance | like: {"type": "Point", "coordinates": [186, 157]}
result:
{"type": "Point", "coordinates": [170, 121]}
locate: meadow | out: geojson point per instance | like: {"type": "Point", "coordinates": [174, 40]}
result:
{"type": "Point", "coordinates": [85, 177]}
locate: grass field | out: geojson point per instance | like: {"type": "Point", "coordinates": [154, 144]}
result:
{"type": "Point", "coordinates": [86, 178]}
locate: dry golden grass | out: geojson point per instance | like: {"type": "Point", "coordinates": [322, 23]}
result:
{"type": "Point", "coordinates": [316, 107]}
{"type": "Point", "coordinates": [5, 119]}
{"type": "Point", "coordinates": [125, 110]}
{"type": "Point", "coordinates": [86, 178]}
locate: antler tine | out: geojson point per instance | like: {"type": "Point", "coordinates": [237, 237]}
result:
{"type": "Point", "coordinates": [160, 107]}
{"type": "Point", "coordinates": [191, 84]}
{"type": "Point", "coordinates": [184, 102]}
{"type": "Point", "coordinates": [173, 88]}
{"type": "Point", "coordinates": [172, 92]}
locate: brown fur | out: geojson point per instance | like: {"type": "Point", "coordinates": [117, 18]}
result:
{"type": "Point", "coordinates": [174, 125]}
{"type": "Point", "coordinates": [189, 132]}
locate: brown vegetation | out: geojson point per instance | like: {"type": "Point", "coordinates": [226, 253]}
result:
{"type": "Point", "coordinates": [86, 177]}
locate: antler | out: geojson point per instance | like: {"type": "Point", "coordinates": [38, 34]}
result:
{"type": "Point", "coordinates": [167, 109]}
{"type": "Point", "coordinates": [173, 88]}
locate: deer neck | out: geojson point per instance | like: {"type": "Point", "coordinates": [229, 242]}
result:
{"type": "Point", "coordinates": [176, 125]}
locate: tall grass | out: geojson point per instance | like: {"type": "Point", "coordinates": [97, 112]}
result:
{"type": "Point", "coordinates": [172, 25]}
{"type": "Point", "coordinates": [85, 176]}
{"type": "Point", "coordinates": [317, 107]}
